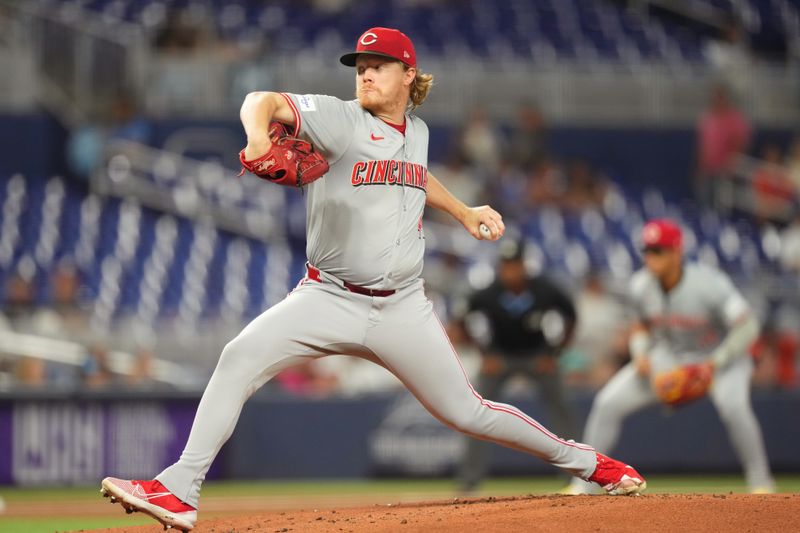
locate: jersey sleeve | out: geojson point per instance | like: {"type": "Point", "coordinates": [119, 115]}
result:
{"type": "Point", "coordinates": [636, 291]}
{"type": "Point", "coordinates": [725, 300]}
{"type": "Point", "coordinates": [325, 121]}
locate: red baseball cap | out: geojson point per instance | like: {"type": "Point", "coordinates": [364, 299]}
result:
{"type": "Point", "coordinates": [387, 42]}
{"type": "Point", "coordinates": [661, 233]}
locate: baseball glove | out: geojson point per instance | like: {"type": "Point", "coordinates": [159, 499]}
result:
{"type": "Point", "coordinates": [289, 161]}
{"type": "Point", "coordinates": [683, 384]}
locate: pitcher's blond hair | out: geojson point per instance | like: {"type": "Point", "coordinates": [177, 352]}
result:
{"type": "Point", "coordinates": [420, 89]}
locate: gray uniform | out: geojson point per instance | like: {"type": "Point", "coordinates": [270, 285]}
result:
{"type": "Point", "coordinates": [686, 324]}
{"type": "Point", "coordinates": [364, 229]}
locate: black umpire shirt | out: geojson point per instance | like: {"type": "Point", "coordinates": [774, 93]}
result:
{"type": "Point", "coordinates": [537, 321]}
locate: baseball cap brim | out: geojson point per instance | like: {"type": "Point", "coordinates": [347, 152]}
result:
{"type": "Point", "coordinates": [349, 60]}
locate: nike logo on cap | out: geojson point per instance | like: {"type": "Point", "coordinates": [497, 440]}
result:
{"type": "Point", "coordinates": [374, 138]}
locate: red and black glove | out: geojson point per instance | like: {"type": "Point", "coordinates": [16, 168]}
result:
{"type": "Point", "coordinates": [289, 161]}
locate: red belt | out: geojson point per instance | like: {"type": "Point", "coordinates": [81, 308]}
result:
{"type": "Point", "coordinates": [314, 274]}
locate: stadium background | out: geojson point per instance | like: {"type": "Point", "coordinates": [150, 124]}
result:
{"type": "Point", "coordinates": [130, 253]}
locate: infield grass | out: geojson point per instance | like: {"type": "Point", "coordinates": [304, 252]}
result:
{"type": "Point", "coordinates": [19, 518]}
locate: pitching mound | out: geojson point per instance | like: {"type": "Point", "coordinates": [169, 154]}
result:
{"type": "Point", "coordinates": [686, 513]}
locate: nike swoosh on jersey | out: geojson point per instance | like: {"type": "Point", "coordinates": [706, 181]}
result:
{"type": "Point", "coordinates": [374, 138]}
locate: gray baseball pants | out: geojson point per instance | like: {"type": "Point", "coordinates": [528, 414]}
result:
{"type": "Point", "coordinates": [399, 332]}
{"type": "Point", "coordinates": [627, 392]}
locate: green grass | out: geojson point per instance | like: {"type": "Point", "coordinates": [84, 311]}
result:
{"type": "Point", "coordinates": [393, 489]}
{"type": "Point", "coordinates": [51, 524]}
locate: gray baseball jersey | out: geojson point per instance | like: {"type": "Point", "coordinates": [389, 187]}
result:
{"type": "Point", "coordinates": [364, 221]}
{"type": "Point", "coordinates": [689, 321]}
{"type": "Point", "coordinates": [364, 227]}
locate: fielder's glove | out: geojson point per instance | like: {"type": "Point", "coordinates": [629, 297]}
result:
{"type": "Point", "coordinates": [683, 384]}
{"type": "Point", "coordinates": [289, 161]}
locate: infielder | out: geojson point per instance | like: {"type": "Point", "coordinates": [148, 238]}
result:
{"type": "Point", "coordinates": [362, 294]}
{"type": "Point", "coordinates": [691, 339]}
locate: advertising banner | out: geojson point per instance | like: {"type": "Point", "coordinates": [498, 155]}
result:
{"type": "Point", "coordinates": [64, 442]}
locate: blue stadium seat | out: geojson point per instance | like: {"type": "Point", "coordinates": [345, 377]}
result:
{"type": "Point", "coordinates": [612, 31]}
{"type": "Point", "coordinates": [565, 239]}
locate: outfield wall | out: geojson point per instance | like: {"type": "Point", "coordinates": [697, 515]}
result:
{"type": "Point", "coordinates": [63, 440]}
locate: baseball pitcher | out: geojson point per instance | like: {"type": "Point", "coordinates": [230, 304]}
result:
{"type": "Point", "coordinates": [691, 340]}
{"type": "Point", "coordinates": [364, 166]}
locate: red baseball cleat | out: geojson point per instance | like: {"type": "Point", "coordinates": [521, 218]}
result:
{"type": "Point", "coordinates": [152, 498]}
{"type": "Point", "coordinates": [617, 478]}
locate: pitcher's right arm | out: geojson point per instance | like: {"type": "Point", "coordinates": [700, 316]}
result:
{"type": "Point", "coordinates": [258, 110]}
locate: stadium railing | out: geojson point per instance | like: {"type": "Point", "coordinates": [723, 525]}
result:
{"type": "Point", "coordinates": [168, 182]}
{"type": "Point", "coordinates": [15, 345]}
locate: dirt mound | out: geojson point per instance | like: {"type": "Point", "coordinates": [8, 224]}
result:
{"type": "Point", "coordinates": [720, 513]}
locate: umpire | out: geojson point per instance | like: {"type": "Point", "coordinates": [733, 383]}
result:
{"type": "Point", "coordinates": [521, 323]}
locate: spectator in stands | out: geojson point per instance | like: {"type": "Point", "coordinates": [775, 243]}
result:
{"type": "Point", "coordinates": [7, 377]}
{"type": "Point", "coordinates": [508, 190]}
{"type": "Point", "coordinates": [459, 178]}
{"type": "Point", "coordinates": [95, 371]}
{"type": "Point", "coordinates": [546, 184]}
{"type": "Point", "coordinates": [127, 123]}
{"type": "Point", "coordinates": [774, 194]}
{"type": "Point", "coordinates": [141, 374]}
{"type": "Point", "coordinates": [600, 345]}
{"type": "Point", "coordinates": [331, 6]}
{"type": "Point", "coordinates": [790, 246]}
{"type": "Point", "coordinates": [765, 358]}
{"type": "Point", "coordinates": [787, 315]}
{"type": "Point", "coordinates": [521, 323]}
{"type": "Point", "coordinates": [87, 142]}
{"type": "Point", "coordinates": [183, 31]}
{"type": "Point", "coordinates": [445, 281]}
{"type": "Point", "coordinates": [730, 49]}
{"type": "Point", "coordinates": [775, 352]}
{"type": "Point", "coordinates": [782, 336]}
{"type": "Point", "coordinates": [723, 132]}
{"type": "Point", "coordinates": [528, 140]}
{"type": "Point", "coordinates": [584, 188]}
{"type": "Point", "coordinates": [307, 380]}
{"type": "Point", "coordinates": [19, 309]}
{"type": "Point", "coordinates": [793, 164]}
{"type": "Point", "coordinates": [729, 55]}
{"type": "Point", "coordinates": [84, 149]}
{"type": "Point", "coordinates": [63, 317]}
{"type": "Point", "coordinates": [19, 301]}
{"type": "Point", "coordinates": [480, 142]}
{"type": "Point", "coordinates": [352, 376]}
{"type": "Point", "coordinates": [787, 343]}
{"type": "Point", "coordinates": [6, 363]}
{"type": "Point", "coordinates": [31, 372]}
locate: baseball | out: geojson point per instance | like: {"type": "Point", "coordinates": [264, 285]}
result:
{"type": "Point", "coordinates": [485, 231]}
